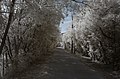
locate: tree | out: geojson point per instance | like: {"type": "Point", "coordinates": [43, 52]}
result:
{"type": "Point", "coordinates": [99, 26]}
{"type": "Point", "coordinates": [33, 31]}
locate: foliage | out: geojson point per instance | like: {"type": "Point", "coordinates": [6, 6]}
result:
{"type": "Point", "coordinates": [97, 31]}
{"type": "Point", "coordinates": [33, 31]}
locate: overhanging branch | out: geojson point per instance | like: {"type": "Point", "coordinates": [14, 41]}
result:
{"type": "Point", "coordinates": [82, 2]}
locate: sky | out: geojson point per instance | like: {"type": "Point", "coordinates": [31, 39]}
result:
{"type": "Point", "coordinates": [65, 23]}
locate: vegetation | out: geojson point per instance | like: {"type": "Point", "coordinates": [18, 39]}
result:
{"type": "Point", "coordinates": [30, 29]}
{"type": "Point", "coordinates": [96, 31]}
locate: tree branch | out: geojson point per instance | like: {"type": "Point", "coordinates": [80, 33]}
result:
{"type": "Point", "coordinates": [104, 33]}
{"type": "Point", "coordinates": [82, 2]}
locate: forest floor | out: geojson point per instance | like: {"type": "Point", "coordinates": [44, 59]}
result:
{"type": "Point", "coordinates": [61, 65]}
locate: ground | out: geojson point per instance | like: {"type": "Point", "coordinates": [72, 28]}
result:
{"type": "Point", "coordinates": [61, 65]}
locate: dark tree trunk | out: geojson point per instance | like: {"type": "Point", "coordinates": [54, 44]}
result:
{"type": "Point", "coordinates": [8, 26]}
{"type": "Point", "coordinates": [72, 47]}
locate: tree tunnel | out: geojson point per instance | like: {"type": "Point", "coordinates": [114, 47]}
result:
{"type": "Point", "coordinates": [30, 29]}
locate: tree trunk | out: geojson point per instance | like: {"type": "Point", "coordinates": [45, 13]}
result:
{"type": "Point", "coordinates": [8, 26]}
{"type": "Point", "coordinates": [72, 47]}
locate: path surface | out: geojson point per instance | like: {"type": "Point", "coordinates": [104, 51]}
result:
{"type": "Point", "coordinates": [62, 65]}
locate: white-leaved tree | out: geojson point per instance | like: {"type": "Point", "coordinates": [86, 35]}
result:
{"type": "Point", "coordinates": [32, 31]}
{"type": "Point", "coordinates": [97, 31]}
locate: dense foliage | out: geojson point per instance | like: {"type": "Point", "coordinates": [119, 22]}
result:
{"type": "Point", "coordinates": [33, 31]}
{"type": "Point", "coordinates": [30, 29]}
{"type": "Point", "coordinates": [97, 31]}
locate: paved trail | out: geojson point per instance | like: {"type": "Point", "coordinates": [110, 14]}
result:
{"type": "Point", "coordinates": [62, 65]}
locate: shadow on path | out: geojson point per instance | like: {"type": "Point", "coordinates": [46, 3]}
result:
{"type": "Point", "coordinates": [62, 65]}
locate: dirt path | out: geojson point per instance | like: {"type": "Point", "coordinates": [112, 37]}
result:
{"type": "Point", "coordinates": [61, 66]}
